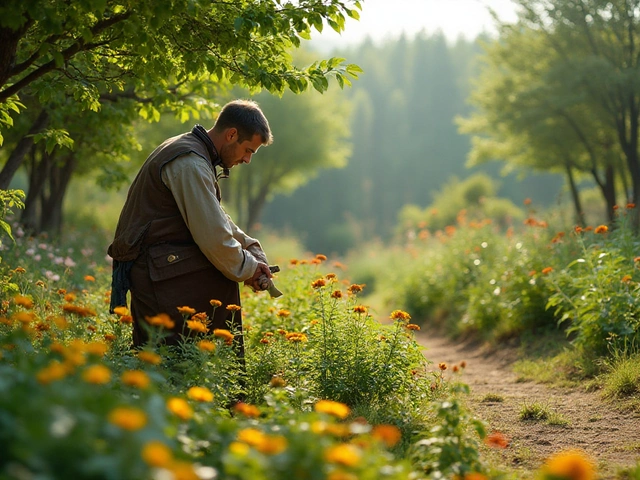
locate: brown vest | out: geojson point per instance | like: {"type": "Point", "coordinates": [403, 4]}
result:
{"type": "Point", "coordinates": [150, 214]}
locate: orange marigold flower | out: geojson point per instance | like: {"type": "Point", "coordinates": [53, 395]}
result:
{"type": "Point", "coordinates": [97, 374]}
{"type": "Point", "coordinates": [23, 317]}
{"type": "Point", "coordinates": [200, 394]}
{"type": "Point", "coordinates": [615, 207]}
{"type": "Point", "coordinates": [277, 382]}
{"type": "Point", "coordinates": [400, 315]}
{"type": "Point", "coordinates": [463, 364]}
{"type": "Point", "coordinates": [282, 331]}
{"type": "Point", "coordinates": [251, 436]}
{"type": "Point", "coordinates": [336, 294]}
{"type": "Point", "coordinates": [161, 320]}
{"type": "Point", "coordinates": [233, 308]}
{"type": "Point", "coordinates": [547, 270]}
{"type": "Point", "coordinates": [135, 378]}
{"type": "Point", "coordinates": [631, 205]}
{"type": "Point", "coordinates": [150, 357]}
{"type": "Point", "coordinates": [320, 282]}
{"type": "Point", "coordinates": [96, 348]}
{"type": "Point", "coordinates": [180, 408]}
{"type": "Point", "coordinates": [197, 326]}
{"type": "Point", "coordinates": [455, 369]}
{"type": "Point", "coordinates": [601, 229]}
{"type": "Point", "coordinates": [336, 409]}
{"type": "Point", "coordinates": [496, 440]}
{"type": "Point", "coordinates": [265, 341]}
{"type": "Point", "coordinates": [343, 454]}
{"type": "Point", "coordinates": [273, 445]}
{"type": "Point", "coordinates": [109, 337]}
{"type": "Point", "coordinates": [156, 454]}
{"type": "Point", "coordinates": [360, 309]}
{"type": "Point", "coordinates": [215, 303]}
{"type": "Point", "coordinates": [413, 326]}
{"type": "Point", "coordinates": [20, 270]}
{"type": "Point", "coordinates": [390, 435]}
{"type": "Point", "coordinates": [578, 229]}
{"type": "Point", "coordinates": [527, 201]}
{"type": "Point", "coordinates": [321, 257]}
{"type": "Point", "coordinates": [636, 259]}
{"type": "Point", "coordinates": [121, 311]}
{"type": "Point", "coordinates": [52, 372]}
{"type": "Point", "coordinates": [90, 278]}
{"type": "Point", "coordinates": [626, 279]}
{"type": "Point", "coordinates": [23, 301]}
{"type": "Point", "coordinates": [128, 418]}
{"type": "Point", "coordinates": [224, 334]}
{"type": "Point", "coordinates": [70, 297]}
{"type": "Point", "coordinates": [283, 313]}
{"type": "Point", "coordinates": [532, 273]}
{"type": "Point", "coordinates": [128, 319]}
{"type": "Point", "coordinates": [570, 465]}
{"type": "Point", "coordinates": [331, 276]}
{"type": "Point", "coordinates": [206, 346]}
{"type": "Point", "coordinates": [246, 409]}
{"type": "Point", "coordinates": [355, 288]}
{"type": "Point", "coordinates": [442, 366]}
{"type": "Point", "coordinates": [186, 310]}
{"type": "Point", "coordinates": [296, 337]}
{"type": "Point", "coordinates": [475, 476]}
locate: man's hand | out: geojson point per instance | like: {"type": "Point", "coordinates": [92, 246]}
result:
{"type": "Point", "coordinates": [254, 282]}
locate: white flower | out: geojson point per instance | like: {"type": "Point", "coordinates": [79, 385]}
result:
{"type": "Point", "coordinates": [30, 251]}
{"type": "Point", "coordinates": [58, 260]}
{"type": "Point", "coordinates": [86, 252]}
{"type": "Point", "coordinates": [68, 262]}
{"type": "Point", "coordinates": [37, 257]}
{"type": "Point", "coordinates": [54, 277]}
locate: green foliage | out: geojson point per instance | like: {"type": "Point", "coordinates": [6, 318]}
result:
{"type": "Point", "coordinates": [9, 199]}
{"type": "Point", "coordinates": [449, 451]}
{"type": "Point", "coordinates": [68, 371]}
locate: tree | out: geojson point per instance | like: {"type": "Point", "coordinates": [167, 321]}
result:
{"type": "Point", "coordinates": [531, 114]}
{"type": "Point", "coordinates": [153, 55]}
{"type": "Point", "coordinates": [311, 133]}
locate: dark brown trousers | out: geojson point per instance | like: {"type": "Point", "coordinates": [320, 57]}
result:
{"type": "Point", "coordinates": [167, 276]}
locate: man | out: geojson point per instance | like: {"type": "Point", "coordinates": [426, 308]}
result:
{"type": "Point", "coordinates": [174, 245]}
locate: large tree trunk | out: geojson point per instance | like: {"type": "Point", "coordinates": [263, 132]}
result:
{"type": "Point", "coordinates": [38, 173]}
{"type": "Point", "coordinates": [575, 196]}
{"type": "Point", "coordinates": [22, 148]}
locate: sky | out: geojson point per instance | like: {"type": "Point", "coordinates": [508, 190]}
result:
{"type": "Point", "coordinates": [380, 19]}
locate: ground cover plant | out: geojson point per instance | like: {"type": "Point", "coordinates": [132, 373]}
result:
{"type": "Point", "coordinates": [323, 390]}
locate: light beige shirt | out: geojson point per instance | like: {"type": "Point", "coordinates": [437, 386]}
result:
{"type": "Point", "coordinates": [193, 185]}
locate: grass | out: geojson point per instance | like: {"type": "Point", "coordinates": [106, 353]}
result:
{"type": "Point", "coordinates": [535, 411]}
{"type": "Point", "coordinates": [623, 380]}
{"type": "Point", "coordinates": [492, 397]}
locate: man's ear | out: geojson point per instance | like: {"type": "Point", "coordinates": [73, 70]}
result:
{"type": "Point", "coordinates": [232, 133]}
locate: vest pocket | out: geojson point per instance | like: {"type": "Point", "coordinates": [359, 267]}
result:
{"type": "Point", "coordinates": [168, 260]}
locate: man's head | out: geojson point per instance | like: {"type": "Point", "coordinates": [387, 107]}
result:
{"type": "Point", "coordinates": [240, 129]}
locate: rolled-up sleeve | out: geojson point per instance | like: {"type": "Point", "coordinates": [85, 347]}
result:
{"type": "Point", "coordinates": [191, 180]}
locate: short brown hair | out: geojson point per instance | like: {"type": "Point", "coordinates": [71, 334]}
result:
{"type": "Point", "coordinates": [246, 117]}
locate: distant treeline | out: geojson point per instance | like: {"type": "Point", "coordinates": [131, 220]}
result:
{"type": "Point", "coordinates": [406, 145]}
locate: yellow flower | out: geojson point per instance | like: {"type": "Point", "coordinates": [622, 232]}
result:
{"type": "Point", "coordinates": [160, 320]}
{"type": "Point", "coordinates": [150, 357]}
{"type": "Point", "coordinates": [206, 346]}
{"type": "Point", "coordinates": [337, 409]}
{"type": "Point", "coordinates": [570, 465]}
{"type": "Point", "coordinates": [54, 371]}
{"type": "Point", "coordinates": [400, 315]}
{"type": "Point", "coordinates": [180, 408]}
{"type": "Point", "coordinates": [182, 471]}
{"type": "Point", "coordinates": [273, 445]}
{"type": "Point", "coordinates": [296, 337]}
{"type": "Point", "coordinates": [360, 309]}
{"type": "Point", "coordinates": [251, 436]}
{"type": "Point", "coordinates": [388, 434]}
{"type": "Point", "coordinates": [20, 270]}
{"type": "Point", "coordinates": [156, 454]}
{"type": "Point", "coordinates": [128, 418]}
{"type": "Point", "coordinates": [186, 310]}
{"type": "Point", "coordinates": [344, 454]}
{"type": "Point", "coordinates": [283, 313]}
{"type": "Point", "coordinates": [412, 326]}
{"type": "Point", "coordinates": [233, 308]}
{"type": "Point", "coordinates": [96, 348]}
{"type": "Point", "coordinates": [215, 303]}
{"type": "Point", "coordinates": [247, 410]}
{"type": "Point", "coordinates": [222, 333]}
{"type": "Point", "coordinates": [200, 394]}
{"type": "Point", "coordinates": [135, 378]}
{"type": "Point", "coordinates": [26, 302]}
{"type": "Point", "coordinates": [197, 326]}
{"type": "Point", "coordinates": [97, 374]}
{"type": "Point", "coordinates": [23, 317]}
{"type": "Point", "coordinates": [238, 448]}
{"type": "Point", "coordinates": [121, 311]}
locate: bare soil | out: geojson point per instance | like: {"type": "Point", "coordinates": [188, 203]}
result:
{"type": "Point", "coordinates": [609, 434]}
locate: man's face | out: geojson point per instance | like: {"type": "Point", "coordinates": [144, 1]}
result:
{"type": "Point", "coordinates": [234, 153]}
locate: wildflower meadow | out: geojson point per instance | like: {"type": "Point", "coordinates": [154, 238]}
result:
{"type": "Point", "coordinates": [324, 389]}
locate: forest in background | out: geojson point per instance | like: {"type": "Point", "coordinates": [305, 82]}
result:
{"type": "Point", "coordinates": [405, 146]}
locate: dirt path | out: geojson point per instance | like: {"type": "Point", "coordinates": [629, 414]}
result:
{"type": "Point", "coordinates": [611, 437]}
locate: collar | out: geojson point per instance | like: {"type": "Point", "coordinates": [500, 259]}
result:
{"type": "Point", "coordinates": [201, 134]}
